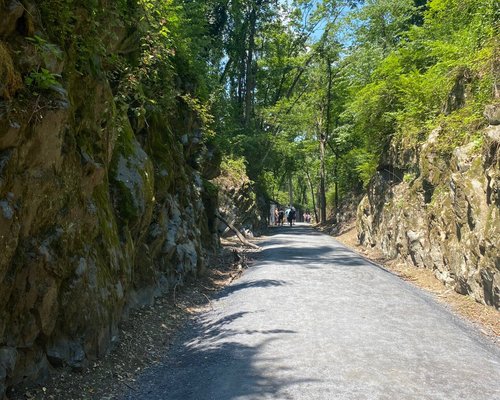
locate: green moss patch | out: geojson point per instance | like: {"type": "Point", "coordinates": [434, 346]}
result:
{"type": "Point", "coordinates": [131, 176]}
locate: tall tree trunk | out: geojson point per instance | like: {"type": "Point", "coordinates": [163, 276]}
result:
{"type": "Point", "coordinates": [336, 171]}
{"type": "Point", "coordinates": [241, 85]}
{"type": "Point", "coordinates": [324, 140]}
{"type": "Point", "coordinates": [303, 195]}
{"type": "Point", "coordinates": [322, 176]}
{"type": "Point", "coordinates": [290, 189]}
{"type": "Point", "coordinates": [328, 100]}
{"type": "Point", "coordinates": [249, 70]}
{"type": "Point", "coordinates": [313, 196]}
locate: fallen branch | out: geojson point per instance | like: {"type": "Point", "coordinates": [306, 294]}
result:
{"type": "Point", "coordinates": [237, 232]}
{"type": "Point", "coordinates": [207, 288]}
{"type": "Point", "coordinates": [175, 288]}
{"type": "Point", "coordinates": [130, 387]}
{"type": "Point", "coordinates": [237, 274]}
{"type": "Point", "coordinates": [209, 301]}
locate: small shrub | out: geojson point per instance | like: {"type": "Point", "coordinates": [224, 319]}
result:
{"type": "Point", "coordinates": [42, 80]}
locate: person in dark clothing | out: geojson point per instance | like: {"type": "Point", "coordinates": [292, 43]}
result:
{"type": "Point", "coordinates": [291, 216]}
{"type": "Point", "coordinates": [281, 216]}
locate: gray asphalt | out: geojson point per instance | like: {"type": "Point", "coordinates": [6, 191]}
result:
{"type": "Point", "coordinates": [312, 320]}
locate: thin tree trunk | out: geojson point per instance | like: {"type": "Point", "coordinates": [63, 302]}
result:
{"type": "Point", "coordinates": [328, 100]}
{"type": "Point", "coordinates": [226, 70]}
{"type": "Point", "coordinates": [324, 141]}
{"type": "Point", "coordinates": [336, 170]}
{"type": "Point", "coordinates": [241, 85]}
{"type": "Point", "coordinates": [303, 195]}
{"type": "Point", "coordinates": [313, 197]}
{"type": "Point", "coordinates": [322, 175]}
{"type": "Point", "coordinates": [290, 189]}
{"type": "Point", "coordinates": [250, 81]}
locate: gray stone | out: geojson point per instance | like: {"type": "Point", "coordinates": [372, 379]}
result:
{"type": "Point", "coordinates": [413, 237]}
{"type": "Point", "coordinates": [31, 363]}
{"type": "Point", "coordinates": [62, 352]}
{"type": "Point", "coordinates": [8, 359]}
{"type": "Point", "coordinates": [6, 209]}
{"type": "Point", "coordinates": [58, 352]}
{"type": "Point", "coordinates": [187, 255]}
{"type": "Point", "coordinates": [492, 114]}
{"type": "Point", "coordinates": [82, 267]}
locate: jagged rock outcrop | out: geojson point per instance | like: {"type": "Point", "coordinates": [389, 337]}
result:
{"type": "Point", "coordinates": [238, 202]}
{"type": "Point", "coordinates": [98, 212]}
{"type": "Point", "coordinates": [443, 213]}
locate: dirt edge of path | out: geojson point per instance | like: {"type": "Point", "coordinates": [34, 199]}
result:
{"type": "Point", "coordinates": [145, 336]}
{"type": "Point", "coordinates": [483, 317]}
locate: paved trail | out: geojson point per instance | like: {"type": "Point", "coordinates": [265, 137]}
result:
{"type": "Point", "coordinates": [312, 320]}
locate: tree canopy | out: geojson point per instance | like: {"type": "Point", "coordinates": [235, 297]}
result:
{"type": "Point", "coordinates": [310, 94]}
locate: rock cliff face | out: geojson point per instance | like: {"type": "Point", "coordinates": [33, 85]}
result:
{"type": "Point", "coordinates": [441, 213]}
{"type": "Point", "coordinates": [98, 211]}
{"type": "Point", "coordinates": [238, 202]}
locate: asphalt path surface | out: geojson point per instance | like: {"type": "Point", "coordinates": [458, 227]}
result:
{"type": "Point", "coordinates": [313, 320]}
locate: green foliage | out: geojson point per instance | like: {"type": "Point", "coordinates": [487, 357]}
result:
{"type": "Point", "coordinates": [58, 17]}
{"type": "Point", "coordinates": [234, 167]}
{"type": "Point", "coordinates": [42, 80]}
{"type": "Point", "coordinates": [365, 164]}
{"type": "Point", "coordinates": [458, 128]}
{"type": "Point", "coordinates": [411, 85]}
{"type": "Point", "coordinates": [271, 83]}
{"type": "Point", "coordinates": [48, 52]}
{"type": "Point", "coordinates": [409, 177]}
{"type": "Point", "coordinates": [49, 55]}
{"type": "Point", "coordinates": [203, 113]}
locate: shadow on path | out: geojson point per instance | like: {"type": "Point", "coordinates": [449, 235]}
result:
{"type": "Point", "coordinates": [283, 245]}
{"type": "Point", "coordinates": [261, 283]}
{"type": "Point", "coordinates": [212, 360]}
{"type": "Point", "coordinates": [311, 320]}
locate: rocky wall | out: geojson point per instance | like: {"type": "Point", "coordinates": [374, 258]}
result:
{"type": "Point", "coordinates": [441, 213]}
{"type": "Point", "coordinates": [239, 204]}
{"type": "Point", "coordinates": [97, 214]}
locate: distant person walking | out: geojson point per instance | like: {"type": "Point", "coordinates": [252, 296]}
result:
{"type": "Point", "coordinates": [276, 216]}
{"type": "Point", "coordinates": [281, 217]}
{"type": "Point", "coordinates": [291, 216]}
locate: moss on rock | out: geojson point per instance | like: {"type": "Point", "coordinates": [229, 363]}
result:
{"type": "Point", "coordinates": [132, 176]}
{"type": "Point", "coordinates": [10, 79]}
